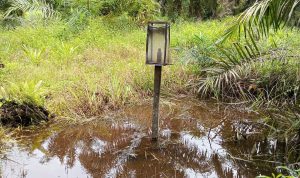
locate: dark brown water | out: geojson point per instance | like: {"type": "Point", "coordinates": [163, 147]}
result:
{"type": "Point", "coordinates": [196, 140]}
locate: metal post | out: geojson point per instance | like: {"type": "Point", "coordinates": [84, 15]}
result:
{"type": "Point", "coordinates": [155, 119]}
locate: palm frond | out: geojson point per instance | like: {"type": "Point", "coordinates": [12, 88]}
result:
{"type": "Point", "coordinates": [30, 5]}
{"type": "Point", "coordinates": [225, 74]}
{"type": "Point", "coordinates": [251, 26]}
{"type": "Point", "coordinates": [259, 19]}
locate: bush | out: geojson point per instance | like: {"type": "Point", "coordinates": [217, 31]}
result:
{"type": "Point", "coordinates": [139, 10]}
{"type": "Point", "coordinates": [202, 9]}
{"type": "Point", "coordinates": [26, 92]}
{"type": "Point", "coordinates": [267, 71]}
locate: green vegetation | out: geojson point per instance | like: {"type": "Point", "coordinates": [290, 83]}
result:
{"type": "Point", "coordinates": [266, 71]}
{"type": "Point", "coordinates": [262, 69]}
{"type": "Point", "coordinates": [289, 173]}
{"type": "Point", "coordinates": [78, 65]}
{"type": "Point", "coordinates": [79, 74]}
{"type": "Point", "coordinates": [252, 68]}
{"type": "Point", "coordinates": [82, 58]}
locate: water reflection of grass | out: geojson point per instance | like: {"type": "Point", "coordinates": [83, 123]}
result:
{"type": "Point", "coordinates": [2, 136]}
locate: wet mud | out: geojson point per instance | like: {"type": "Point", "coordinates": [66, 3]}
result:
{"type": "Point", "coordinates": [16, 114]}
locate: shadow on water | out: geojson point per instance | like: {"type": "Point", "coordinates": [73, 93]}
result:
{"type": "Point", "coordinates": [196, 140]}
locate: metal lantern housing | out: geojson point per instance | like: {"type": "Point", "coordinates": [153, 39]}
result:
{"type": "Point", "coordinates": [158, 42]}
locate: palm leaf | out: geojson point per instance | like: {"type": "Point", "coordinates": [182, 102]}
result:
{"type": "Point", "coordinates": [30, 5]}
{"type": "Point", "coordinates": [261, 17]}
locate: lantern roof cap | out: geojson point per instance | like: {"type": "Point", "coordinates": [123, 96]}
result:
{"type": "Point", "coordinates": [159, 22]}
{"type": "Point", "coordinates": [152, 23]}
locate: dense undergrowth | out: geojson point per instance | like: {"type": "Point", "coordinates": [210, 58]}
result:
{"type": "Point", "coordinates": [268, 72]}
{"type": "Point", "coordinates": [81, 73]}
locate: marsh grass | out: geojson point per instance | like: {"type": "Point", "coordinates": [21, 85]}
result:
{"type": "Point", "coordinates": [87, 72]}
{"type": "Point", "coordinates": [101, 66]}
{"type": "Point", "coordinates": [284, 124]}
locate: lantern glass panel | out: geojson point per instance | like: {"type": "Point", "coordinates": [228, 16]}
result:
{"type": "Point", "coordinates": [158, 39]}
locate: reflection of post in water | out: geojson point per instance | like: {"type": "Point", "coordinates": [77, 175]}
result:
{"type": "Point", "coordinates": [157, 81]}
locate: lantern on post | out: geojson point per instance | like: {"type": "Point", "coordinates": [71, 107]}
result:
{"type": "Point", "coordinates": [158, 42]}
{"type": "Point", "coordinates": [157, 54]}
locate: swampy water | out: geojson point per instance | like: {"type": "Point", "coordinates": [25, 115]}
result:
{"type": "Point", "coordinates": [197, 139]}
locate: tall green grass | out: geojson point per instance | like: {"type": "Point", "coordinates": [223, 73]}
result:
{"type": "Point", "coordinates": [88, 71]}
{"type": "Point", "coordinates": [94, 64]}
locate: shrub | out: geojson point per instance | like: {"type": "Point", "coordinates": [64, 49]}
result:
{"type": "Point", "coordinates": [139, 10]}
{"type": "Point", "coordinates": [23, 105]}
{"type": "Point", "coordinates": [26, 92]}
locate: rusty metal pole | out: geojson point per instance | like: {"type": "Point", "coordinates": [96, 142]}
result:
{"type": "Point", "coordinates": [155, 119]}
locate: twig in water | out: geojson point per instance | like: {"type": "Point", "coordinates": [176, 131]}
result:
{"type": "Point", "coordinates": [154, 157]}
{"type": "Point", "coordinates": [7, 159]}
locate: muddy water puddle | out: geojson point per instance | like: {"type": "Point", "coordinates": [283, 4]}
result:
{"type": "Point", "coordinates": [196, 140]}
